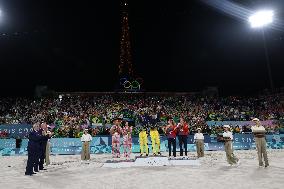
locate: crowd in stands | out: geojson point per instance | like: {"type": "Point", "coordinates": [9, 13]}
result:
{"type": "Point", "coordinates": [68, 115]}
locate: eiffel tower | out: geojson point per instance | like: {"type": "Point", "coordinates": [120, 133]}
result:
{"type": "Point", "coordinates": [128, 81]}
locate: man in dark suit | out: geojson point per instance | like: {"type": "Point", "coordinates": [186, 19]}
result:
{"type": "Point", "coordinates": [33, 150]}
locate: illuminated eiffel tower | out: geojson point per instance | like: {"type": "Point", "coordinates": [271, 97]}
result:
{"type": "Point", "coordinates": [128, 81]}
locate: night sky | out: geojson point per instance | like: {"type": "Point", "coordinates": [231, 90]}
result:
{"type": "Point", "coordinates": [177, 45]}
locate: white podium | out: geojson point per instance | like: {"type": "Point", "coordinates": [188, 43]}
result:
{"type": "Point", "coordinates": [151, 161]}
{"type": "Point", "coordinates": [155, 161]}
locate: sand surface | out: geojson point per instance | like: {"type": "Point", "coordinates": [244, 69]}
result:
{"type": "Point", "coordinates": [69, 172]}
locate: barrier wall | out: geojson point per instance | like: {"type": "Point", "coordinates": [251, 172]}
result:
{"type": "Point", "coordinates": [240, 123]}
{"type": "Point", "coordinates": [22, 130]}
{"type": "Point", "coordinates": [102, 144]}
{"type": "Point", "coordinates": [16, 130]}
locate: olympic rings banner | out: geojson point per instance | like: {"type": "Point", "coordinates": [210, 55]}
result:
{"type": "Point", "coordinates": [102, 144]}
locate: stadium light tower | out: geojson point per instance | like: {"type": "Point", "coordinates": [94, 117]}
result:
{"type": "Point", "coordinates": [262, 19]}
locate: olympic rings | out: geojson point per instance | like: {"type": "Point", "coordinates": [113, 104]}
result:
{"type": "Point", "coordinates": [127, 84]}
{"type": "Point", "coordinates": [131, 83]}
{"type": "Point", "coordinates": [135, 84]}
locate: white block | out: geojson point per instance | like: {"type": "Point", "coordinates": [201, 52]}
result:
{"type": "Point", "coordinates": [152, 161]}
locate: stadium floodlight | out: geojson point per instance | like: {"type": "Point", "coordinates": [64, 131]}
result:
{"type": "Point", "coordinates": [261, 18]}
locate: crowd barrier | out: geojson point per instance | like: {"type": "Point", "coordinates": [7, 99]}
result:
{"type": "Point", "coordinates": [102, 144]}
{"type": "Point", "coordinates": [241, 123]}
{"type": "Point", "coordinates": [22, 129]}
{"type": "Point", "coordinates": [16, 130]}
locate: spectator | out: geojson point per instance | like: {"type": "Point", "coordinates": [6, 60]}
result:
{"type": "Point", "coordinates": [72, 112]}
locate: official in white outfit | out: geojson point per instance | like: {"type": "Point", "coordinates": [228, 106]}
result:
{"type": "Point", "coordinates": [86, 139]}
{"type": "Point", "coordinates": [259, 136]}
{"type": "Point", "coordinates": [228, 138]}
{"type": "Point", "coordinates": [199, 141]}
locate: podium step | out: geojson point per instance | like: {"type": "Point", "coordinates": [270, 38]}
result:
{"type": "Point", "coordinates": [155, 161]}
{"type": "Point", "coordinates": [151, 161]}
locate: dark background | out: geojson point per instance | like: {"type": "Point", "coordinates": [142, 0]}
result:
{"type": "Point", "coordinates": [177, 45]}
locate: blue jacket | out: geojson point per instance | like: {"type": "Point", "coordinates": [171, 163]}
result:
{"type": "Point", "coordinates": [34, 141]}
